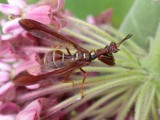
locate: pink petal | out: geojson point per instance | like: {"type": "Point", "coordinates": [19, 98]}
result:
{"type": "Point", "coordinates": [7, 117]}
{"type": "Point", "coordinates": [31, 115]}
{"type": "Point", "coordinates": [57, 23]}
{"type": "Point", "coordinates": [11, 25]}
{"type": "Point", "coordinates": [6, 37]}
{"type": "Point", "coordinates": [5, 50]}
{"type": "Point", "coordinates": [9, 9]}
{"type": "Point", "coordinates": [4, 76]}
{"type": "Point", "coordinates": [18, 3]}
{"type": "Point", "coordinates": [6, 87]}
{"type": "Point", "coordinates": [91, 19]}
{"type": "Point", "coordinates": [31, 112]}
{"type": "Point", "coordinates": [7, 92]}
{"type": "Point", "coordinates": [33, 86]}
{"type": "Point", "coordinates": [32, 65]}
{"type": "Point", "coordinates": [4, 66]}
{"type": "Point", "coordinates": [45, 9]}
{"type": "Point", "coordinates": [59, 6]}
{"type": "Point", "coordinates": [17, 32]}
{"type": "Point", "coordinates": [45, 19]}
{"type": "Point", "coordinates": [40, 14]}
{"type": "Point", "coordinates": [9, 108]}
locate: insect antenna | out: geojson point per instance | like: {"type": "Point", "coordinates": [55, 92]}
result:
{"type": "Point", "coordinates": [124, 39]}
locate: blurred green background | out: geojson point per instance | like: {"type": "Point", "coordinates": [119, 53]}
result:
{"type": "Point", "coordinates": [82, 8]}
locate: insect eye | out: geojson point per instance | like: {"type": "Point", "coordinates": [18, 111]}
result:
{"type": "Point", "coordinates": [113, 47]}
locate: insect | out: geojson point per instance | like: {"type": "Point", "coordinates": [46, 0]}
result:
{"type": "Point", "coordinates": [63, 64]}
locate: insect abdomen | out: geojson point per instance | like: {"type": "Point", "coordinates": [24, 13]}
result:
{"type": "Point", "coordinates": [57, 58]}
{"type": "Point", "coordinates": [83, 56]}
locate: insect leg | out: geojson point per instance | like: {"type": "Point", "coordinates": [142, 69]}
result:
{"type": "Point", "coordinates": [81, 87]}
{"type": "Point", "coordinates": [68, 51]}
{"type": "Point", "coordinates": [66, 78]}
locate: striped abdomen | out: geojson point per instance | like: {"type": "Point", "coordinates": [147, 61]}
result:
{"type": "Point", "coordinates": [58, 59]}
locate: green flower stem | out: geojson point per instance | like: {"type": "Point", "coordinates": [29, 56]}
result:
{"type": "Point", "coordinates": [158, 98]}
{"type": "Point", "coordinates": [152, 61]}
{"type": "Point", "coordinates": [131, 56]}
{"type": "Point", "coordinates": [62, 105]}
{"type": "Point", "coordinates": [91, 47]}
{"type": "Point", "coordinates": [104, 69]}
{"type": "Point", "coordinates": [124, 63]}
{"type": "Point", "coordinates": [144, 101]}
{"type": "Point", "coordinates": [123, 113]}
{"type": "Point", "coordinates": [93, 91]}
{"type": "Point", "coordinates": [85, 38]}
{"type": "Point", "coordinates": [92, 34]}
{"type": "Point", "coordinates": [99, 102]}
{"type": "Point", "coordinates": [113, 77]}
{"type": "Point", "coordinates": [94, 28]}
{"type": "Point", "coordinates": [155, 112]}
{"type": "Point", "coordinates": [109, 109]}
{"type": "Point", "coordinates": [56, 89]}
{"type": "Point", "coordinates": [91, 96]}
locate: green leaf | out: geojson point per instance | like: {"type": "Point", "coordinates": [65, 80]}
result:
{"type": "Point", "coordinates": [83, 8]}
{"type": "Point", "coordinates": [151, 62]}
{"type": "Point", "coordinates": [142, 20]}
{"type": "Point", "coordinates": [144, 101]}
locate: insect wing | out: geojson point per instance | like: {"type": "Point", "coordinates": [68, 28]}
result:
{"type": "Point", "coordinates": [109, 60]}
{"type": "Point", "coordinates": [44, 32]}
{"type": "Point", "coordinates": [25, 78]}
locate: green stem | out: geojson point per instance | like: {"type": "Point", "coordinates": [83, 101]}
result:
{"type": "Point", "coordinates": [109, 109]}
{"type": "Point", "coordinates": [155, 112]}
{"type": "Point", "coordinates": [105, 69]}
{"type": "Point", "coordinates": [92, 27]}
{"type": "Point", "coordinates": [91, 96]}
{"type": "Point", "coordinates": [125, 110]}
{"type": "Point", "coordinates": [94, 91]}
{"type": "Point", "coordinates": [85, 38]}
{"type": "Point", "coordinates": [98, 103]}
{"type": "Point", "coordinates": [92, 34]}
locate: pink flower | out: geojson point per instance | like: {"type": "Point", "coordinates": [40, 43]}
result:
{"type": "Point", "coordinates": [33, 111]}
{"type": "Point", "coordinates": [13, 8]}
{"type": "Point", "coordinates": [104, 18]}
{"type": "Point", "coordinates": [12, 27]}
{"type": "Point", "coordinates": [57, 13]}
{"type": "Point", "coordinates": [50, 12]}
{"type": "Point", "coordinates": [4, 72]}
{"type": "Point", "coordinates": [7, 92]}
{"type": "Point", "coordinates": [9, 108]}
{"type": "Point", "coordinates": [39, 13]}
{"type": "Point", "coordinates": [7, 117]}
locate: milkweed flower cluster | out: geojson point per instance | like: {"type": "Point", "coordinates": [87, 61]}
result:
{"type": "Point", "coordinates": [14, 57]}
{"type": "Point", "coordinates": [107, 89]}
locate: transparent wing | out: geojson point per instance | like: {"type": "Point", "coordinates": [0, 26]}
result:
{"type": "Point", "coordinates": [44, 32]}
{"type": "Point", "coordinates": [48, 67]}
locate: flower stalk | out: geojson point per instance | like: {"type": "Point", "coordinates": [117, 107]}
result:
{"type": "Point", "coordinates": [109, 91]}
